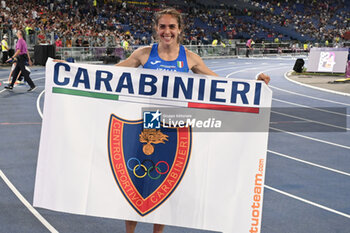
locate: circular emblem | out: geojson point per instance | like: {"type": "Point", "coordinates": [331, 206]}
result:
{"type": "Point", "coordinates": [148, 149]}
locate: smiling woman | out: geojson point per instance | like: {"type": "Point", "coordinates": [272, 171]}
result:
{"type": "Point", "coordinates": [168, 54]}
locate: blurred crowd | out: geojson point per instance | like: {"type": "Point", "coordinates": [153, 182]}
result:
{"type": "Point", "coordinates": [318, 20]}
{"type": "Point", "coordinates": [95, 23]}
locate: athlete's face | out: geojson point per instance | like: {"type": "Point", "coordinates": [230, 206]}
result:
{"type": "Point", "coordinates": [168, 29]}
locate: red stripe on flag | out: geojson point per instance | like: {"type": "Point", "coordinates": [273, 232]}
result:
{"type": "Point", "coordinates": [224, 107]}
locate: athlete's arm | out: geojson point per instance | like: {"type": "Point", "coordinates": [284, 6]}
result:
{"type": "Point", "coordinates": [196, 64]}
{"type": "Point", "coordinates": [137, 58]}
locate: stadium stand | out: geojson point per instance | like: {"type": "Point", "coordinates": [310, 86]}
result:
{"type": "Point", "coordinates": [306, 20]}
{"type": "Point", "coordinates": [108, 23]}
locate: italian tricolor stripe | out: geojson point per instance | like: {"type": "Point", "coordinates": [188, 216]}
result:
{"type": "Point", "coordinates": [219, 107]}
{"type": "Point", "coordinates": [223, 107]}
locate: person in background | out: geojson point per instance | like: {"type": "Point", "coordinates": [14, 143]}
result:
{"type": "Point", "coordinates": [19, 77]}
{"type": "Point", "coordinates": [58, 42]}
{"type": "Point", "coordinates": [22, 56]}
{"type": "Point", "coordinates": [249, 46]}
{"type": "Point", "coordinates": [5, 49]}
{"type": "Point", "coordinates": [69, 42]}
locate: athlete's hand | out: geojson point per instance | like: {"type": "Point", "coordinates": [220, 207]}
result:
{"type": "Point", "coordinates": [264, 78]}
{"type": "Point", "coordinates": [58, 60]}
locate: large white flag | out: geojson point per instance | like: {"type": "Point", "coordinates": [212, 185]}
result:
{"type": "Point", "coordinates": [153, 146]}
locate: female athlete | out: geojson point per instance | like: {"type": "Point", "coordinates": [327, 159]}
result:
{"type": "Point", "coordinates": [168, 54]}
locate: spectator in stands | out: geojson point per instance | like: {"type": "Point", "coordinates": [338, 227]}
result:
{"type": "Point", "coordinates": [41, 38]}
{"type": "Point", "coordinates": [85, 42]}
{"type": "Point", "coordinates": [316, 20]}
{"type": "Point", "coordinates": [69, 42]}
{"type": "Point", "coordinates": [58, 42]}
{"type": "Point", "coordinates": [3, 4]}
{"type": "Point", "coordinates": [78, 42]}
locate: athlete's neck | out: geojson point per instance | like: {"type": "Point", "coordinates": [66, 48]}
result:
{"type": "Point", "coordinates": [168, 52]}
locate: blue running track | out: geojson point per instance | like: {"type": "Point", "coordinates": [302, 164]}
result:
{"type": "Point", "coordinates": [307, 182]}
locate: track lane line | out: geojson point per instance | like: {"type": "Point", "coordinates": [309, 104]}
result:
{"type": "Point", "coordinates": [38, 78]}
{"type": "Point", "coordinates": [228, 68]}
{"type": "Point", "coordinates": [299, 94]}
{"type": "Point", "coordinates": [311, 138]}
{"type": "Point", "coordinates": [314, 87]}
{"type": "Point", "coordinates": [26, 204]}
{"type": "Point", "coordinates": [254, 68]}
{"type": "Point", "coordinates": [308, 202]}
{"type": "Point", "coordinates": [31, 74]}
{"type": "Point", "coordinates": [309, 163]}
{"type": "Point", "coordinates": [312, 121]}
{"type": "Point", "coordinates": [38, 104]}
{"type": "Point", "coordinates": [309, 107]}
{"type": "Point", "coordinates": [311, 97]}
{"type": "Point", "coordinates": [300, 105]}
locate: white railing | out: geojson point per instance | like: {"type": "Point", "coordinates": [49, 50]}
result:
{"type": "Point", "coordinates": [93, 54]}
{"type": "Point", "coordinates": [89, 54]}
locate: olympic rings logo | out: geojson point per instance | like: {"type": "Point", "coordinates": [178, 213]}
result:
{"type": "Point", "coordinates": [147, 171]}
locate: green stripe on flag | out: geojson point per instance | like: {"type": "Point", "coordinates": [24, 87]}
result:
{"type": "Point", "coordinates": [90, 94]}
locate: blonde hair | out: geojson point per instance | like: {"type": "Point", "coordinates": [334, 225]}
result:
{"type": "Point", "coordinates": [174, 13]}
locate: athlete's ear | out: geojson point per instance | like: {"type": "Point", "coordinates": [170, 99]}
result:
{"type": "Point", "coordinates": [180, 31]}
